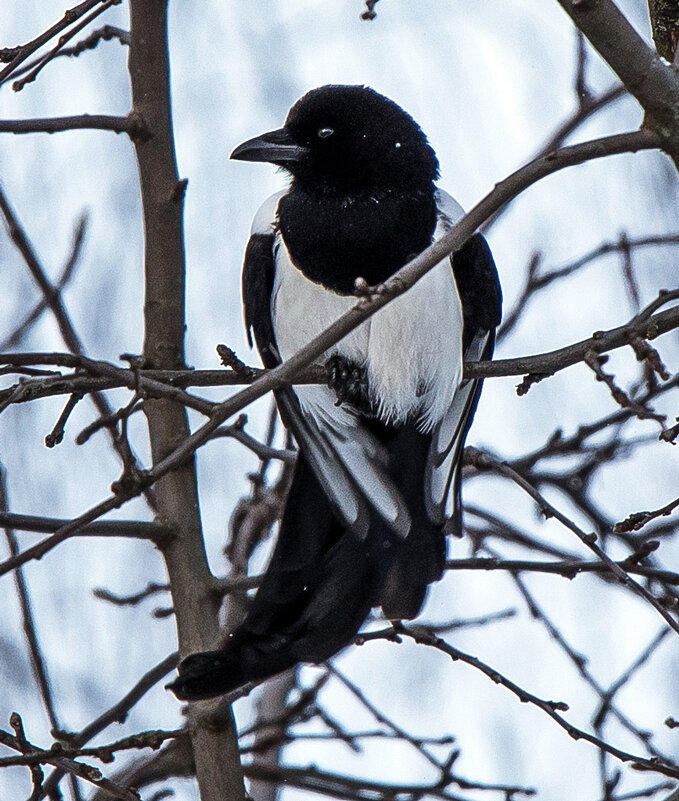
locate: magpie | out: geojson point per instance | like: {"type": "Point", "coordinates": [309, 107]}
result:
{"type": "Point", "coordinates": [380, 447]}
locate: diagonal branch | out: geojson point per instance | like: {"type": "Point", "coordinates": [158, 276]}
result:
{"type": "Point", "coordinates": [29, 624]}
{"type": "Point", "coordinates": [406, 277]}
{"type": "Point", "coordinates": [395, 286]}
{"type": "Point", "coordinates": [90, 42]}
{"type": "Point", "coordinates": [168, 383]}
{"type": "Point", "coordinates": [55, 302]}
{"type": "Point", "coordinates": [485, 461]}
{"type": "Point", "coordinates": [116, 714]}
{"type": "Point", "coordinates": [17, 55]}
{"type": "Point", "coordinates": [646, 76]}
{"type": "Point", "coordinates": [67, 273]}
{"type": "Point", "coordinates": [551, 708]}
{"type": "Point", "coordinates": [17, 86]}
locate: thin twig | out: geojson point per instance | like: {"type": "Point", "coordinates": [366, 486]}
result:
{"type": "Point", "coordinates": [551, 708]}
{"type": "Point", "coordinates": [66, 274]}
{"type": "Point", "coordinates": [117, 713]}
{"type": "Point", "coordinates": [134, 529]}
{"type": "Point", "coordinates": [568, 569]}
{"type": "Point", "coordinates": [485, 461]}
{"type": "Point", "coordinates": [87, 772]}
{"type": "Point", "coordinates": [63, 39]}
{"type": "Point", "coordinates": [104, 34]}
{"type": "Point", "coordinates": [17, 55]}
{"type": "Point", "coordinates": [30, 629]}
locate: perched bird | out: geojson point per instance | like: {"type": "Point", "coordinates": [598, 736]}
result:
{"type": "Point", "coordinates": [379, 463]}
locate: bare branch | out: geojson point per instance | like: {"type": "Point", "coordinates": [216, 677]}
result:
{"type": "Point", "coordinates": [638, 520]}
{"type": "Point", "coordinates": [130, 125]}
{"type": "Point", "coordinates": [153, 738]}
{"type": "Point", "coordinates": [42, 62]}
{"type": "Point", "coordinates": [134, 529]}
{"type": "Point", "coordinates": [236, 432]}
{"type": "Point", "coordinates": [654, 84]}
{"type": "Point", "coordinates": [166, 383]}
{"type": "Point", "coordinates": [130, 600]}
{"type": "Point", "coordinates": [67, 273]}
{"type": "Point", "coordinates": [87, 772]}
{"type": "Point", "coordinates": [551, 708]}
{"type": "Point", "coordinates": [351, 788]}
{"type": "Point", "coordinates": [30, 629]}
{"type": "Point", "coordinates": [580, 663]}
{"type": "Point", "coordinates": [117, 713]}
{"type": "Point", "coordinates": [536, 280]}
{"type": "Point", "coordinates": [569, 569]}
{"type": "Point", "coordinates": [74, 528]}
{"type": "Point", "coordinates": [56, 435]}
{"type": "Point", "coordinates": [546, 364]}
{"type": "Point", "coordinates": [17, 55]}
{"type": "Point", "coordinates": [485, 461]}
{"type": "Point", "coordinates": [90, 42]}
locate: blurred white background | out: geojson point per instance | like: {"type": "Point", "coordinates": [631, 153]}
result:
{"type": "Point", "coordinates": [489, 82]}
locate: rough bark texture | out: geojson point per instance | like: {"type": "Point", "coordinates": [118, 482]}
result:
{"type": "Point", "coordinates": [665, 24]}
{"type": "Point", "coordinates": [214, 743]}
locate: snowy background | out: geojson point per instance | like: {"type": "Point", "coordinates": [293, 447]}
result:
{"type": "Point", "coordinates": [489, 82]}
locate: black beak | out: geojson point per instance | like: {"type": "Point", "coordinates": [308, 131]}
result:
{"type": "Point", "coordinates": [277, 147]}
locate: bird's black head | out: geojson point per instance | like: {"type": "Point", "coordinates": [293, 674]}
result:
{"type": "Point", "coordinates": [344, 138]}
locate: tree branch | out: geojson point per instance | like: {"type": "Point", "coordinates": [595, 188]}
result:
{"type": "Point", "coordinates": [485, 461]}
{"type": "Point", "coordinates": [135, 529]}
{"type": "Point", "coordinates": [551, 708]}
{"type": "Point", "coordinates": [116, 714]}
{"type": "Point", "coordinates": [568, 568]}
{"type": "Point", "coordinates": [17, 86]}
{"type": "Point", "coordinates": [546, 364]}
{"type": "Point", "coordinates": [402, 280]}
{"type": "Point", "coordinates": [17, 55]}
{"type": "Point", "coordinates": [654, 84]}
{"type": "Point", "coordinates": [130, 125]}
{"type": "Point", "coordinates": [166, 383]}
{"type": "Point", "coordinates": [215, 746]}
{"type": "Point", "coordinates": [86, 772]}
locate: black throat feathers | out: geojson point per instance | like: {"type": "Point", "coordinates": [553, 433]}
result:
{"type": "Point", "coordinates": [335, 238]}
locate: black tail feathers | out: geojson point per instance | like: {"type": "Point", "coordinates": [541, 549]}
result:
{"type": "Point", "coordinates": [320, 586]}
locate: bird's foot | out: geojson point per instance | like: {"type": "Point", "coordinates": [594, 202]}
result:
{"type": "Point", "coordinates": [349, 382]}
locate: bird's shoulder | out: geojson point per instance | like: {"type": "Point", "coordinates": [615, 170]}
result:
{"type": "Point", "coordinates": [476, 276]}
{"type": "Point", "coordinates": [258, 279]}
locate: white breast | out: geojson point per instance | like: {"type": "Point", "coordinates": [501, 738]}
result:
{"type": "Point", "coordinates": [412, 348]}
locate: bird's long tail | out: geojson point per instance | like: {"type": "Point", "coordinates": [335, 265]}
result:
{"type": "Point", "coordinates": [316, 593]}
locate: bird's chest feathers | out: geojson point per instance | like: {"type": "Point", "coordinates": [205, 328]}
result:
{"type": "Point", "coordinates": [334, 239]}
{"type": "Point", "coordinates": [410, 348]}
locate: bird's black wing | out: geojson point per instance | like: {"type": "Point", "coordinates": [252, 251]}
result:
{"type": "Point", "coordinates": [479, 289]}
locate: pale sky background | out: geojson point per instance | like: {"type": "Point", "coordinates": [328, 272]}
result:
{"type": "Point", "coordinates": [489, 82]}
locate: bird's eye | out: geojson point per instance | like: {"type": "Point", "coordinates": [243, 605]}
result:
{"type": "Point", "coordinates": [324, 133]}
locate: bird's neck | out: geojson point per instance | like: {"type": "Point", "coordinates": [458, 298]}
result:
{"type": "Point", "coordinates": [335, 238]}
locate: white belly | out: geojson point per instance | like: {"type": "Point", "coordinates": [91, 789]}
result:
{"type": "Point", "coordinates": [411, 348]}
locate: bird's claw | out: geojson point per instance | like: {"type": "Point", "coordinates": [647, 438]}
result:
{"type": "Point", "coordinates": [348, 381]}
